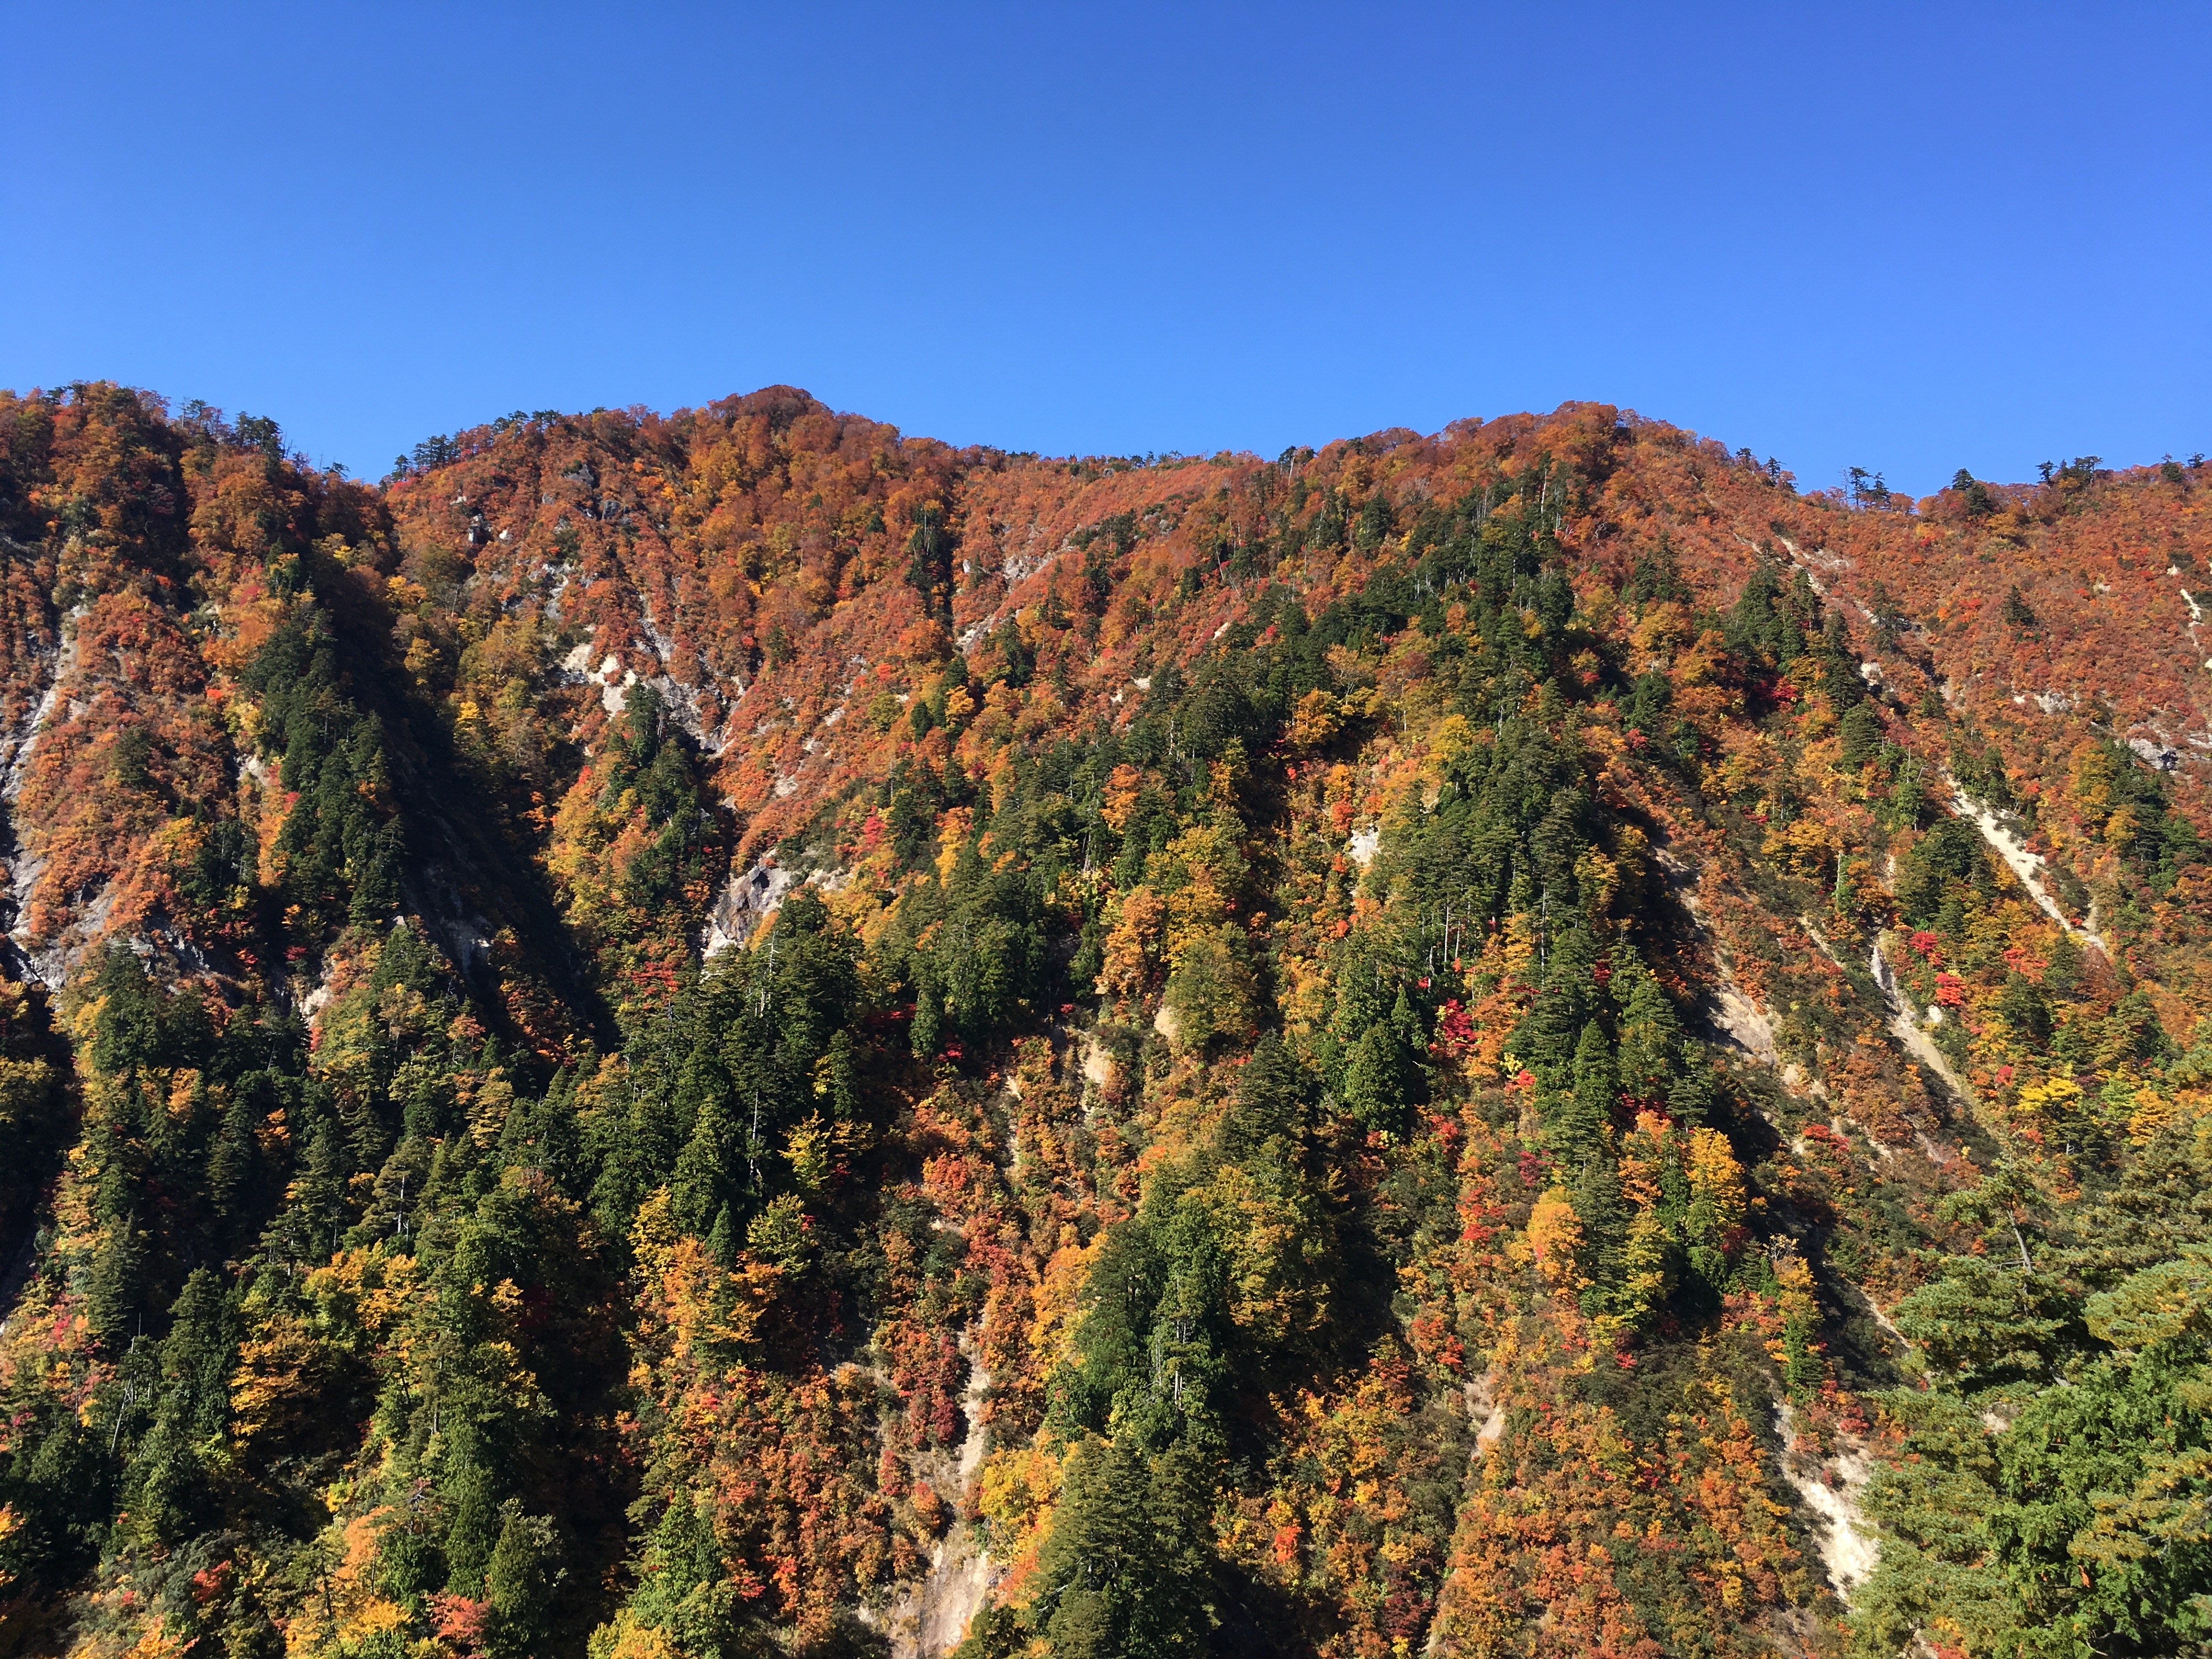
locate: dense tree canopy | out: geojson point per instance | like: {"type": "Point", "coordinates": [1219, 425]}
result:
{"type": "Point", "coordinates": [670, 1036]}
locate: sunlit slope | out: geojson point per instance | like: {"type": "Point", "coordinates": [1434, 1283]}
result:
{"type": "Point", "coordinates": [731, 1032]}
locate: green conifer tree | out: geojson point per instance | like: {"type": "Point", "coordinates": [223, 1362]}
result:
{"type": "Point", "coordinates": [722, 1239]}
{"type": "Point", "coordinates": [518, 1584]}
{"type": "Point", "coordinates": [119, 1273]}
{"type": "Point", "coordinates": [474, 1531]}
{"type": "Point", "coordinates": [703, 1182]}
{"type": "Point", "coordinates": [1651, 1037]}
{"type": "Point", "coordinates": [1374, 1086]}
{"type": "Point", "coordinates": [1581, 1127]}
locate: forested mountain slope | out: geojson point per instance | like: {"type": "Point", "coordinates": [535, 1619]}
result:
{"type": "Point", "coordinates": [732, 1034]}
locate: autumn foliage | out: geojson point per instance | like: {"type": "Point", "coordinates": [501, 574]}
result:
{"type": "Point", "coordinates": [681, 1035]}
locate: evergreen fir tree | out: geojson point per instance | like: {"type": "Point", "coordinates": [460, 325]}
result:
{"type": "Point", "coordinates": [722, 1239]}
{"type": "Point", "coordinates": [518, 1583]}
{"type": "Point", "coordinates": [118, 1274]}
{"type": "Point", "coordinates": [1652, 1036]}
{"type": "Point", "coordinates": [1582, 1125]}
{"type": "Point", "coordinates": [1374, 1089]}
{"type": "Point", "coordinates": [474, 1532]}
{"type": "Point", "coordinates": [704, 1173]}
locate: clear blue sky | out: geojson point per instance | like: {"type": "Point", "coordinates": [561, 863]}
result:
{"type": "Point", "coordinates": [1911, 239]}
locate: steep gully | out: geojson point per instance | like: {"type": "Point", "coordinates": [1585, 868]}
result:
{"type": "Point", "coordinates": [932, 1617]}
{"type": "Point", "coordinates": [23, 873]}
{"type": "Point", "coordinates": [1829, 1483]}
